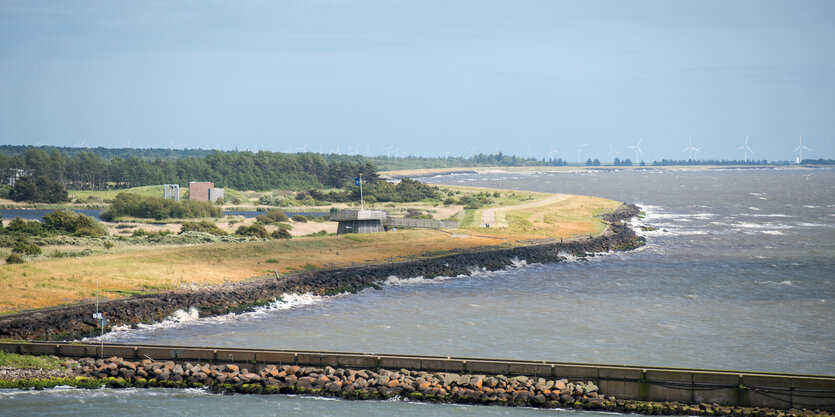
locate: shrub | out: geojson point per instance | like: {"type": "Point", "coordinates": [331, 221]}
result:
{"type": "Point", "coordinates": [202, 226]}
{"type": "Point", "coordinates": [255, 230]}
{"type": "Point", "coordinates": [277, 215]}
{"type": "Point", "coordinates": [127, 204]}
{"type": "Point", "coordinates": [26, 247]}
{"type": "Point", "coordinates": [263, 219]}
{"type": "Point", "coordinates": [299, 218]}
{"type": "Point", "coordinates": [70, 222]}
{"type": "Point", "coordinates": [285, 226]}
{"type": "Point", "coordinates": [14, 259]}
{"type": "Point", "coordinates": [449, 201]}
{"type": "Point", "coordinates": [281, 234]}
{"type": "Point", "coordinates": [19, 226]}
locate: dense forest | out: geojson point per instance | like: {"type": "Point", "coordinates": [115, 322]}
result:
{"type": "Point", "coordinates": [240, 170]}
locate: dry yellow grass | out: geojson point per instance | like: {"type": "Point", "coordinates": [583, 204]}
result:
{"type": "Point", "coordinates": [126, 272]}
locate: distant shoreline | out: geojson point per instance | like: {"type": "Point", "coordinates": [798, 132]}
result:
{"type": "Point", "coordinates": [432, 172]}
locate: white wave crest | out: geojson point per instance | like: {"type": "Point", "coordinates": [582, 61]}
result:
{"type": "Point", "coordinates": [773, 232]}
{"type": "Point", "coordinates": [192, 316]}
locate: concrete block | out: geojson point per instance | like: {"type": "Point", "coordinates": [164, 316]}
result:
{"type": "Point", "coordinates": [9, 347]}
{"type": "Point", "coordinates": [766, 391]}
{"type": "Point", "coordinates": [397, 362]}
{"type": "Point", "coordinates": [195, 354]}
{"type": "Point", "coordinates": [486, 367]}
{"type": "Point", "coordinates": [357, 361]}
{"type": "Point", "coordinates": [670, 385]}
{"type": "Point", "coordinates": [157, 354]}
{"type": "Point", "coordinates": [124, 352]}
{"type": "Point", "coordinates": [446, 365]}
{"type": "Point", "coordinates": [622, 383]}
{"type": "Point", "coordinates": [77, 351]}
{"type": "Point", "coordinates": [39, 349]}
{"type": "Point", "coordinates": [530, 369]}
{"type": "Point", "coordinates": [576, 372]}
{"type": "Point", "coordinates": [813, 393]}
{"type": "Point", "coordinates": [276, 358]}
{"type": "Point", "coordinates": [226, 356]}
{"type": "Point", "coordinates": [309, 359]}
{"type": "Point", "coordinates": [715, 387]}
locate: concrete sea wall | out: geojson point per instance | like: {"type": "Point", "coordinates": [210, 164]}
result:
{"type": "Point", "coordinates": [71, 322]}
{"type": "Point", "coordinates": [648, 390]}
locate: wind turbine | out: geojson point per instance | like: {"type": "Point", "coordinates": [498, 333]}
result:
{"type": "Point", "coordinates": [472, 150]}
{"type": "Point", "coordinates": [388, 150]}
{"type": "Point", "coordinates": [745, 149]}
{"type": "Point", "coordinates": [637, 148]}
{"type": "Point", "coordinates": [82, 144]}
{"type": "Point", "coordinates": [529, 151]}
{"type": "Point", "coordinates": [800, 149]}
{"type": "Point", "coordinates": [553, 152]}
{"type": "Point", "coordinates": [690, 148]}
{"type": "Point", "coordinates": [612, 152]}
{"type": "Point", "coordinates": [578, 152]}
{"type": "Point", "coordinates": [335, 150]}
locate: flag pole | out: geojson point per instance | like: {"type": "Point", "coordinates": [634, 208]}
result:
{"type": "Point", "coordinates": [362, 202]}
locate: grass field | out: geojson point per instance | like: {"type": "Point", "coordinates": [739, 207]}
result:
{"type": "Point", "coordinates": [125, 271]}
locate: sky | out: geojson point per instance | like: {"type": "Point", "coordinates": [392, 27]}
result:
{"type": "Point", "coordinates": [423, 77]}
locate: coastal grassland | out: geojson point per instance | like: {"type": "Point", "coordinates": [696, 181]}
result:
{"type": "Point", "coordinates": [125, 270]}
{"type": "Point", "coordinates": [14, 360]}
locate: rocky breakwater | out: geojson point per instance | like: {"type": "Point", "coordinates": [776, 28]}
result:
{"type": "Point", "coordinates": [361, 384]}
{"type": "Point", "coordinates": [71, 322]}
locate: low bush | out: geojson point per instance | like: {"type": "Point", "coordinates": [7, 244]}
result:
{"type": "Point", "coordinates": [281, 234]}
{"type": "Point", "coordinates": [254, 230]}
{"type": "Point", "coordinates": [299, 218]}
{"type": "Point", "coordinates": [26, 247]}
{"type": "Point", "coordinates": [204, 226]}
{"type": "Point", "coordinates": [76, 224]}
{"type": "Point", "coordinates": [14, 259]}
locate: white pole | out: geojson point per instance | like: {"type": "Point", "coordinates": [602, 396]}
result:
{"type": "Point", "coordinates": [362, 202]}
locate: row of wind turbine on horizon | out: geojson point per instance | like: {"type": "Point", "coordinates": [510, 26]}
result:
{"type": "Point", "coordinates": [393, 151]}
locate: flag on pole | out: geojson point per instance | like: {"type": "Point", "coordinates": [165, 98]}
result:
{"type": "Point", "coordinates": [357, 180]}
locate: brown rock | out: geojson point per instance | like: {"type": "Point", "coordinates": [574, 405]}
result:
{"type": "Point", "coordinates": [423, 386]}
{"type": "Point", "coordinates": [232, 368]}
{"type": "Point", "coordinates": [335, 386]}
{"type": "Point", "coordinates": [559, 386]}
{"type": "Point", "coordinates": [322, 380]}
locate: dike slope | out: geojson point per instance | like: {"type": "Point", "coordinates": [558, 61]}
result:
{"type": "Point", "coordinates": [71, 322]}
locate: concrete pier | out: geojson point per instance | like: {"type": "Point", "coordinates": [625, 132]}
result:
{"type": "Point", "coordinates": [657, 384]}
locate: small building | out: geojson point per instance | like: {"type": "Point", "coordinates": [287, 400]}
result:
{"type": "Point", "coordinates": [171, 192]}
{"type": "Point", "coordinates": [359, 221]}
{"type": "Point", "coordinates": [204, 191]}
{"type": "Point", "coordinates": [14, 174]}
{"type": "Point", "coordinates": [373, 221]}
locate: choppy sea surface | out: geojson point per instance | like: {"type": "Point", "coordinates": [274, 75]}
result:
{"type": "Point", "coordinates": [739, 275]}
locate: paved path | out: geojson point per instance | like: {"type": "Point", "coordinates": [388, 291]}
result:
{"type": "Point", "coordinates": [489, 216]}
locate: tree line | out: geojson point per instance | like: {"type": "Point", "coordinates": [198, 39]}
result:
{"type": "Point", "coordinates": [240, 170]}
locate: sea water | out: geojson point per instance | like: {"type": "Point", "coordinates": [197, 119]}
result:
{"type": "Point", "coordinates": [739, 275]}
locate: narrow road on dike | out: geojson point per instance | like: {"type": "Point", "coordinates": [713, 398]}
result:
{"type": "Point", "coordinates": [488, 217]}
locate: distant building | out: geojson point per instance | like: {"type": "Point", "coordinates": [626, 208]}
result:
{"type": "Point", "coordinates": [171, 192]}
{"type": "Point", "coordinates": [204, 191]}
{"type": "Point", "coordinates": [359, 221]}
{"type": "Point", "coordinates": [14, 174]}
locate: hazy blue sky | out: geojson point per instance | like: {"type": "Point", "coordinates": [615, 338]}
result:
{"type": "Point", "coordinates": [423, 77]}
